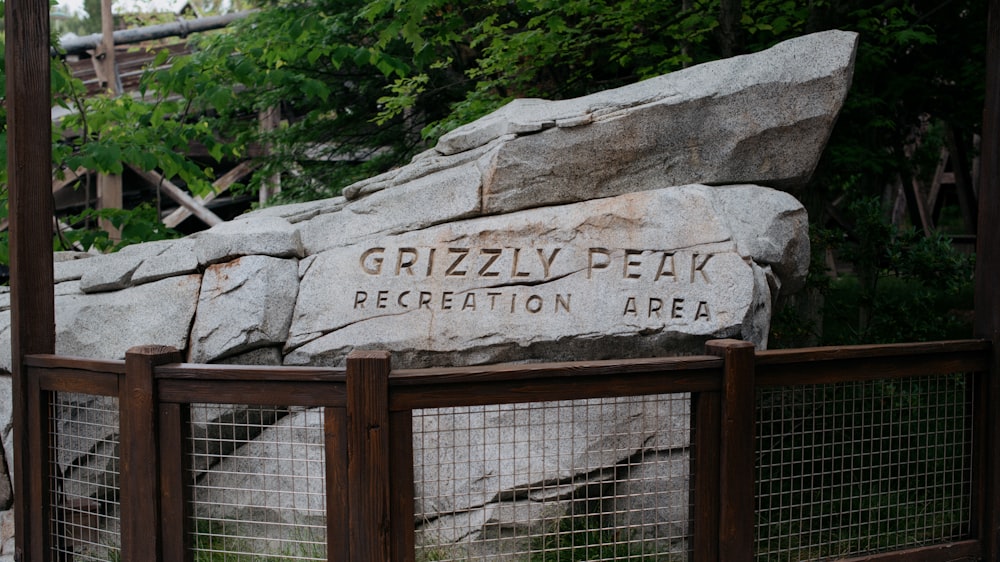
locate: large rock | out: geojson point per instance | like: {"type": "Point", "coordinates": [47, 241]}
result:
{"type": "Point", "coordinates": [106, 325]}
{"type": "Point", "coordinates": [245, 304]}
{"type": "Point", "coordinates": [625, 276]}
{"type": "Point", "coordinates": [761, 118]}
{"type": "Point", "coordinates": [621, 224]}
{"type": "Point", "coordinates": [269, 494]}
{"type": "Point", "coordinates": [494, 479]}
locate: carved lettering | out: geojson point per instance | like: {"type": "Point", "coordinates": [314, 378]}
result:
{"type": "Point", "coordinates": [452, 270]}
{"type": "Point", "coordinates": [359, 299]}
{"type": "Point", "coordinates": [512, 298]}
{"type": "Point", "coordinates": [629, 264]}
{"type": "Point", "coordinates": [655, 305]}
{"type": "Point", "coordinates": [372, 266]}
{"type": "Point", "coordinates": [493, 254]}
{"type": "Point", "coordinates": [564, 302]}
{"type": "Point", "coordinates": [663, 271]}
{"type": "Point", "coordinates": [630, 307]}
{"type": "Point", "coordinates": [547, 262]}
{"type": "Point", "coordinates": [404, 262]}
{"type": "Point", "coordinates": [513, 268]}
{"type": "Point", "coordinates": [430, 262]}
{"type": "Point", "coordinates": [597, 258]}
{"type": "Point", "coordinates": [493, 299]}
{"type": "Point", "coordinates": [449, 301]}
{"type": "Point", "coordinates": [702, 312]}
{"type": "Point", "coordinates": [696, 268]}
{"type": "Point", "coordinates": [677, 308]}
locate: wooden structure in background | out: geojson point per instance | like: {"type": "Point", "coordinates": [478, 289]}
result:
{"type": "Point", "coordinates": [111, 64]}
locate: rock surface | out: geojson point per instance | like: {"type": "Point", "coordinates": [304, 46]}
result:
{"type": "Point", "coordinates": [625, 276]}
{"type": "Point", "coordinates": [245, 304]}
{"type": "Point", "coordinates": [760, 118]}
{"type": "Point", "coordinates": [576, 229]}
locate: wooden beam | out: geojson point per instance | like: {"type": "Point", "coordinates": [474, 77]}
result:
{"type": "Point", "coordinates": [218, 186]}
{"type": "Point", "coordinates": [987, 311]}
{"type": "Point", "coordinates": [107, 70]}
{"type": "Point", "coordinates": [29, 169]}
{"type": "Point", "coordinates": [109, 196]}
{"type": "Point", "coordinates": [268, 121]}
{"type": "Point", "coordinates": [179, 195]}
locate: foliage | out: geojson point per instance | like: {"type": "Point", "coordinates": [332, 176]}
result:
{"type": "Point", "coordinates": [584, 537]}
{"type": "Point", "coordinates": [904, 286]}
{"type": "Point", "coordinates": [862, 467]}
{"type": "Point", "coordinates": [140, 224]}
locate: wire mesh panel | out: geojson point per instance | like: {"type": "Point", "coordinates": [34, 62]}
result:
{"type": "Point", "coordinates": [602, 479]}
{"type": "Point", "coordinates": [858, 468]}
{"type": "Point", "coordinates": [258, 483]}
{"type": "Point", "coordinates": [84, 477]}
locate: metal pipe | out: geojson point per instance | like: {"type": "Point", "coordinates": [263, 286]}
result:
{"type": "Point", "coordinates": [180, 28]}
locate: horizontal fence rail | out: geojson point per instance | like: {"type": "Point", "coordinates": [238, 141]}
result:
{"type": "Point", "coordinates": [870, 452]}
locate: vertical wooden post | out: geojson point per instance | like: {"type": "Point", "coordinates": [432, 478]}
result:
{"type": "Point", "coordinates": [338, 492]}
{"type": "Point", "coordinates": [269, 120]}
{"type": "Point", "coordinates": [175, 482]}
{"type": "Point", "coordinates": [736, 454]}
{"type": "Point", "coordinates": [29, 169]}
{"type": "Point", "coordinates": [109, 196]}
{"type": "Point", "coordinates": [401, 486]}
{"type": "Point", "coordinates": [706, 413]}
{"type": "Point", "coordinates": [368, 455]}
{"type": "Point", "coordinates": [139, 453]}
{"type": "Point", "coordinates": [987, 322]}
{"type": "Point", "coordinates": [106, 52]}
{"type": "Point", "coordinates": [109, 186]}
{"type": "Point", "coordinates": [38, 545]}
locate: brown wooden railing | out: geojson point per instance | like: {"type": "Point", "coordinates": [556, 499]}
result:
{"type": "Point", "coordinates": [368, 433]}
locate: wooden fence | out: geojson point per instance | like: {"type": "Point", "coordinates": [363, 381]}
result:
{"type": "Point", "coordinates": [368, 435]}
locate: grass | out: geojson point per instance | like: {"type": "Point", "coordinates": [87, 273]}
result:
{"type": "Point", "coordinates": [213, 545]}
{"type": "Point", "coordinates": [583, 538]}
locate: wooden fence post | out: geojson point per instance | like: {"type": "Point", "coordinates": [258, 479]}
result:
{"type": "Point", "coordinates": [337, 484]}
{"type": "Point", "coordinates": [29, 168]}
{"type": "Point", "coordinates": [368, 455]}
{"type": "Point", "coordinates": [705, 500]}
{"type": "Point", "coordinates": [736, 454]}
{"type": "Point", "coordinates": [139, 461]}
{"type": "Point", "coordinates": [175, 482]}
{"type": "Point", "coordinates": [987, 309]}
{"type": "Point", "coordinates": [38, 539]}
{"type": "Point", "coordinates": [401, 486]}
